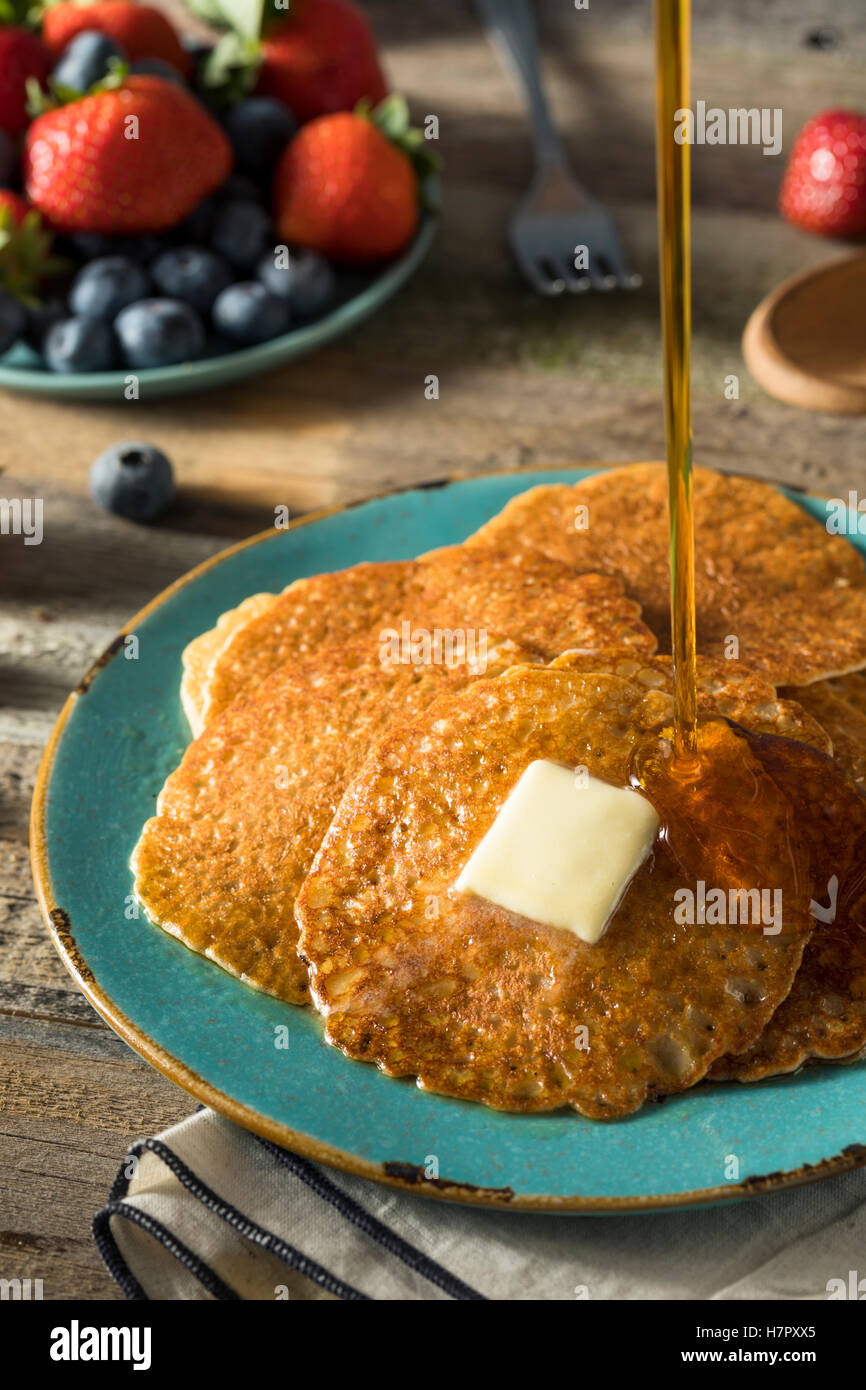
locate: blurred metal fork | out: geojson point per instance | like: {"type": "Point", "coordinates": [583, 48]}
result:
{"type": "Point", "coordinates": [562, 237]}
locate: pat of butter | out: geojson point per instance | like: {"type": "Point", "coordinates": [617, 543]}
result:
{"type": "Point", "coordinates": [563, 849]}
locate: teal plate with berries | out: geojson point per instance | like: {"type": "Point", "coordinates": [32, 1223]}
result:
{"type": "Point", "coordinates": [358, 296]}
{"type": "Point", "coordinates": [118, 737]}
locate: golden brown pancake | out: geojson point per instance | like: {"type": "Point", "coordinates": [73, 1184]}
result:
{"type": "Point", "coordinates": [200, 654]}
{"type": "Point", "coordinates": [315, 613]}
{"type": "Point", "coordinates": [477, 1002]}
{"type": "Point", "coordinates": [445, 589]}
{"type": "Point", "coordinates": [840, 707]}
{"type": "Point", "coordinates": [852, 689]}
{"type": "Point", "coordinates": [766, 572]}
{"type": "Point", "coordinates": [724, 687]}
{"type": "Point", "coordinates": [824, 1016]}
{"type": "Point", "coordinates": [239, 822]}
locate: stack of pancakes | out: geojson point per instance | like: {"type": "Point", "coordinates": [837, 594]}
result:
{"type": "Point", "coordinates": [310, 839]}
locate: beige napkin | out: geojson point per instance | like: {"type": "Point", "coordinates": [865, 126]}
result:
{"type": "Point", "coordinates": [208, 1211]}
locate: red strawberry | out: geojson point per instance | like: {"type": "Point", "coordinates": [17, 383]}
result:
{"type": "Point", "coordinates": [344, 189]}
{"type": "Point", "coordinates": [21, 56]}
{"type": "Point", "coordinates": [89, 167]}
{"type": "Point", "coordinates": [13, 209]}
{"type": "Point", "coordinates": [824, 188]}
{"type": "Point", "coordinates": [140, 30]}
{"type": "Point", "coordinates": [320, 60]}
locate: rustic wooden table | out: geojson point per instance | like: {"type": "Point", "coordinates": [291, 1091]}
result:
{"type": "Point", "coordinates": [522, 382]}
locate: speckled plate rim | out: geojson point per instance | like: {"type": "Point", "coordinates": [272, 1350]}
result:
{"type": "Point", "coordinates": [158, 382]}
{"type": "Point", "coordinates": [394, 1175]}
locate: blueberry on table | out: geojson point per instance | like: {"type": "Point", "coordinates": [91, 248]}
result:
{"type": "Point", "coordinates": [241, 232]}
{"type": "Point", "coordinates": [259, 130]}
{"type": "Point", "coordinates": [191, 273]}
{"type": "Point", "coordinates": [159, 333]}
{"type": "Point", "coordinates": [79, 345]}
{"type": "Point", "coordinates": [303, 278]}
{"type": "Point", "coordinates": [247, 313]}
{"type": "Point", "coordinates": [85, 60]}
{"type": "Point", "coordinates": [105, 286]}
{"type": "Point", "coordinates": [133, 480]}
{"type": "Point", "coordinates": [13, 320]}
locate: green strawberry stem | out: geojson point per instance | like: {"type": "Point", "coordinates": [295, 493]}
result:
{"type": "Point", "coordinates": [242, 17]}
{"type": "Point", "coordinates": [25, 256]}
{"type": "Point", "coordinates": [23, 14]}
{"type": "Point", "coordinates": [38, 101]}
{"type": "Point", "coordinates": [231, 69]}
{"type": "Point", "coordinates": [391, 116]}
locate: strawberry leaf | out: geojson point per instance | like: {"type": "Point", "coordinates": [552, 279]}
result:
{"type": "Point", "coordinates": [21, 13]}
{"type": "Point", "coordinates": [242, 17]}
{"type": "Point", "coordinates": [391, 116]}
{"type": "Point", "coordinates": [25, 255]}
{"type": "Point", "coordinates": [231, 69]}
{"type": "Point", "coordinates": [39, 101]}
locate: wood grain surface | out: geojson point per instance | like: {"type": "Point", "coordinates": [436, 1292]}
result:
{"type": "Point", "coordinates": [522, 382]}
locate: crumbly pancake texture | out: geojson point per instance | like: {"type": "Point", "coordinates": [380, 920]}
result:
{"type": "Point", "coordinates": [311, 614]}
{"type": "Point", "coordinates": [200, 655]}
{"type": "Point", "coordinates": [450, 588]}
{"type": "Point", "coordinates": [479, 1003]}
{"type": "Point", "coordinates": [724, 687]}
{"type": "Point", "coordinates": [840, 706]}
{"type": "Point", "coordinates": [239, 822]}
{"type": "Point", "coordinates": [824, 1016]}
{"type": "Point", "coordinates": [766, 572]}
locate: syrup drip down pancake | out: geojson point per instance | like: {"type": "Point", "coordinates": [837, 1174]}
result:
{"type": "Point", "coordinates": [477, 1002]}
{"type": "Point", "coordinates": [766, 573]}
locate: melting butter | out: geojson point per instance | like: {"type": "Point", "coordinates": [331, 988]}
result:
{"type": "Point", "coordinates": [563, 849]}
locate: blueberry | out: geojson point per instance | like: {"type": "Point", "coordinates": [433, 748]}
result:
{"type": "Point", "coordinates": [197, 226]}
{"type": "Point", "coordinates": [259, 130]}
{"type": "Point", "coordinates": [247, 313]}
{"type": "Point", "coordinates": [7, 158]}
{"type": "Point", "coordinates": [41, 317]}
{"type": "Point", "coordinates": [133, 480]}
{"type": "Point", "coordinates": [145, 247]}
{"type": "Point", "coordinates": [89, 245]}
{"type": "Point", "coordinates": [241, 232]}
{"type": "Point", "coordinates": [79, 345]}
{"type": "Point", "coordinates": [101, 289]}
{"type": "Point", "coordinates": [159, 333]}
{"type": "Point", "coordinates": [192, 274]}
{"type": "Point", "coordinates": [238, 188]}
{"type": "Point", "coordinates": [85, 60]}
{"type": "Point", "coordinates": [157, 67]}
{"type": "Point", "coordinates": [307, 282]}
{"type": "Point", "coordinates": [92, 246]}
{"type": "Point", "coordinates": [13, 320]}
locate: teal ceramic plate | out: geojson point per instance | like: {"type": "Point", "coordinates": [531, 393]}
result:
{"type": "Point", "coordinates": [115, 742]}
{"type": "Point", "coordinates": [359, 296]}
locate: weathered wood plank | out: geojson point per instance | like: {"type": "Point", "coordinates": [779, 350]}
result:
{"type": "Point", "coordinates": [522, 382]}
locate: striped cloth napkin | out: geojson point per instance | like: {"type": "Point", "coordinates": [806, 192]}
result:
{"type": "Point", "coordinates": [209, 1211]}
